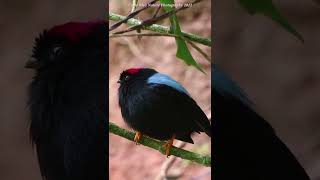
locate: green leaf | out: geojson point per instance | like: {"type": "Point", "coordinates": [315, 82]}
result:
{"type": "Point", "coordinates": [267, 8]}
{"type": "Point", "coordinates": [182, 48]}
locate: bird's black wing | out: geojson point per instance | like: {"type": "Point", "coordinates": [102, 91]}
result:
{"type": "Point", "coordinates": [246, 147]}
{"type": "Point", "coordinates": [164, 107]}
{"type": "Point", "coordinates": [85, 148]}
{"type": "Point", "coordinates": [51, 167]}
{"type": "Point", "coordinates": [76, 144]}
{"type": "Point", "coordinates": [191, 108]}
{"type": "Point", "coordinates": [84, 107]}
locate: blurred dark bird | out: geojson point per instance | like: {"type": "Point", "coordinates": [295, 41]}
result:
{"type": "Point", "coordinates": [245, 146]}
{"type": "Point", "coordinates": [156, 105]}
{"type": "Point", "coordinates": [68, 101]}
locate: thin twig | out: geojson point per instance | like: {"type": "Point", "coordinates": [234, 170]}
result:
{"type": "Point", "coordinates": [153, 20]}
{"type": "Point", "coordinates": [134, 5]}
{"type": "Point", "coordinates": [160, 29]}
{"type": "Point", "coordinates": [158, 145]}
{"type": "Point", "coordinates": [168, 163]}
{"type": "Point", "coordinates": [162, 34]}
{"type": "Point", "coordinates": [157, 11]}
{"type": "Point", "coordinates": [198, 49]}
{"type": "Point", "coordinates": [142, 34]}
{"type": "Point", "coordinates": [131, 15]}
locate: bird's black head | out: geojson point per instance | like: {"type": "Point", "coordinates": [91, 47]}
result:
{"type": "Point", "coordinates": [60, 43]}
{"type": "Point", "coordinates": [130, 75]}
{"type": "Point", "coordinates": [71, 64]}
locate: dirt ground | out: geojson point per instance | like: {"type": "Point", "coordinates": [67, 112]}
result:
{"type": "Point", "coordinates": [136, 162]}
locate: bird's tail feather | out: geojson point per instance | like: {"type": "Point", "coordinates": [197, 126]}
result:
{"type": "Point", "coordinates": [205, 126]}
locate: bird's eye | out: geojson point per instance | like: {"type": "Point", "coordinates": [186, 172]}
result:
{"type": "Point", "coordinates": [57, 50]}
{"type": "Point", "coordinates": [126, 77]}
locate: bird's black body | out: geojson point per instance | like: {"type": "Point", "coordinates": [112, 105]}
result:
{"type": "Point", "coordinates": [68, 100]}
{"type": "Point", "coordinates": [157, 109]}
{"type": "Point", "coordinates": [245, 145]}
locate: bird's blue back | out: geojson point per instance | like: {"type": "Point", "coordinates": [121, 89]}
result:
{"type": "Point", "coordinates": [225, 86]}
{"type": "Point", "coordinates": [159, 78]}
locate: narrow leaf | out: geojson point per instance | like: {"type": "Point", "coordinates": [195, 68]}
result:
{"type": "Point", "coordinates": [267, 8]}
{"type": "Point", "coordinates": [182, 49]}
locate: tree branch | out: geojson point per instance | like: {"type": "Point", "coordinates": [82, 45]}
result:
{"type": "Point", "coordinates": [155, 19]}
{"type": "Point", "coordinates": [163, 34]}
{"type": "Point", "coordinates": [134, 5]}
{"type": "Point", "coordinates": [159, 29]}
{"type": "Point", "coordinates": [131, 15]}
{"type": "Point", "coordinates": [158, 145]}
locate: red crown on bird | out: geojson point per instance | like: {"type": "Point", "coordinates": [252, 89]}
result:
{"type": "Point", "coordinates": [133, 70]}
{"type": "Point", "coordinates": [74, 30]}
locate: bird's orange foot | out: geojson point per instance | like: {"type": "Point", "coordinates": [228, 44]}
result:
{"type": "Point", "coordinates": [137, 137]}
{"type": "Point", "coordinates": [168, 145]}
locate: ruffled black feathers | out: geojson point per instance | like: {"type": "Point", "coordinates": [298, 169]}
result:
{"type": "Point", "coordinates": [68, 100]}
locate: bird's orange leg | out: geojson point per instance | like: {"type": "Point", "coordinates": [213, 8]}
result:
{"type": "Point", "coordinates": [137, 137]}
{"type": "Point", "coordinates": [168, 145]}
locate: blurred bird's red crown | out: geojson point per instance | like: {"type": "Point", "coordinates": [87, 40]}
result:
{"type": "Point", "coordinates": [133, 70]}
{"type": "Point", "coordinates": [74, 30]}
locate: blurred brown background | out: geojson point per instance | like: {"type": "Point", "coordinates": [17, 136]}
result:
{"type": "Point", "coordinates": [280, 74]}
{"type": "Point", "coordinates": [127, 160]}
{"type": "Point", "coordinates": [20, 23]}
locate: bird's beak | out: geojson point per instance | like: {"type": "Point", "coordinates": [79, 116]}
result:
{"type": "Point", "coordinates": [33, 64]}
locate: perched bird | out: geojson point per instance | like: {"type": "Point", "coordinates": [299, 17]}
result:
{"type": "Point", "coordinates": [68, 101]}
{"type": "Point", "coordinates": [154, 104]}
{"type": "Point", "coordinates": [245, 146]}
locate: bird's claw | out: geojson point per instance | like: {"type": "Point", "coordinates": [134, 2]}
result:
{"type": "Point", "coordinates": [137, 137]}
{"type": "Point", "coordinates": [168, 145]}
